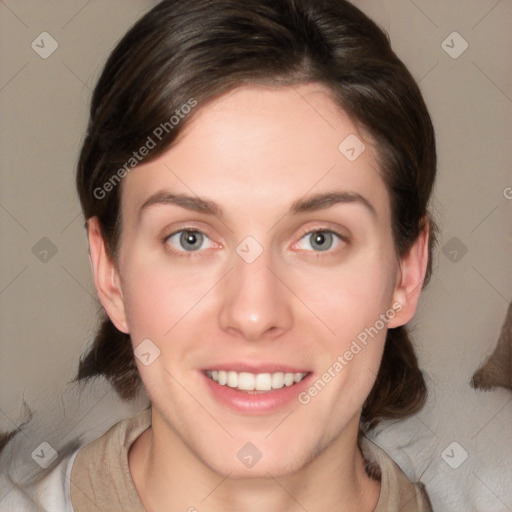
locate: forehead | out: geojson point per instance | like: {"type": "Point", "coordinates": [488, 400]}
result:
{"type": "Point", "coordinates": [267, 145]}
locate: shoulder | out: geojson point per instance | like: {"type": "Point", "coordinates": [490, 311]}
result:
{"type": "Point", "coordinates": [397, 491]}
{"type": "Point", "coordinates": [85, 474]}
{"type": "Point", "coordinates": [101, 475]}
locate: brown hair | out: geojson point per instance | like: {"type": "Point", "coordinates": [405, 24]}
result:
{"type": "Point", "coordinates": [201, 49]}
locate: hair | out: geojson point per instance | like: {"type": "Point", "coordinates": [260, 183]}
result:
{"type": "Point", "coordinates": [180, 52]}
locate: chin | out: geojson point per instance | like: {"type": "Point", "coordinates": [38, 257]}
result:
{"type": "Point", "coordinates": [244, 459]}
{"type": "Point", "coordinates": [263, 469]}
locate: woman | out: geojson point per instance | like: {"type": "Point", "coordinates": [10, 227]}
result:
{"type": "Point", "coordinates": [255, 180]}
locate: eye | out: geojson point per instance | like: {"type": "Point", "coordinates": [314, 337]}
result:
{"type": "Point", "coordinates": [321, 240]}
{"type": "Point", "coordinates": [187, 240]}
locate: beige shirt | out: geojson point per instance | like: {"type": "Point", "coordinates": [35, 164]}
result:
{"type": "Point", "coordinates": [101, 479]}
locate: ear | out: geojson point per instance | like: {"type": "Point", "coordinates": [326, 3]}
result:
{"type": "Point", "coordinates": [106, 276]}
{"type": "Point", "coordinates": [411, 274]}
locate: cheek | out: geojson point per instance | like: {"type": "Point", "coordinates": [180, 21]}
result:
{"type": "Point", "coordinates": [352, 302]}
{"type": "Point", "coordinates": [151, 299]}
{"type": "Point", "coordinates": [351, 296]}
{"type": "Point", "coordinates": [160, 293]}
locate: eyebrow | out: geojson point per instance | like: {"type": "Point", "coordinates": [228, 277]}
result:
{"type": "Point", "coordinates": [313, 203]}
{"type": "Point", "coordinates": [328, 199]}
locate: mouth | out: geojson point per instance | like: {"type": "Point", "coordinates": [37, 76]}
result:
{"type": "Point", "coordinates": [255, 388]}
{"type": "Point", "coordinates": [256, 383]}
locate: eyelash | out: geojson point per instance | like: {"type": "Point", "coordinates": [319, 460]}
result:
{"type": "Point", "coordinates": [188, 254]}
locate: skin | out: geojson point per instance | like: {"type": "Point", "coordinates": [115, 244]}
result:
{"type": "Point", "coordinates": [254, 151]}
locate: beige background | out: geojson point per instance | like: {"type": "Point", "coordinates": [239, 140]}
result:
{"type": "Point", "coordinates": [48, 308]}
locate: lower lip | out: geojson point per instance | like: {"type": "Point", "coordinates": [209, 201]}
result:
{"type": "Point", "coordinates": [257, 403]}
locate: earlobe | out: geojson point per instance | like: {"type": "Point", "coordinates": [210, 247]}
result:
{"type": "Point", "coordinates": [410, 278]}
{"type": "Point", "coordinates": [105, 276]}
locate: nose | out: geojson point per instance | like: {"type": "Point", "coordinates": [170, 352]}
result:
{"type": "Point", "coordinates": [255, 302]}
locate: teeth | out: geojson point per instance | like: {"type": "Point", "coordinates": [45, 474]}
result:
{"type": "Point", "coordinates": [232, 379]}
{"type": "Point", "coordinates": [277, 380]}
{"type": "Point", "coordinates": [262, 382]}
{"type": "Point", "coordinates": [289, 379]}
{"type": "Point", "coordinates": [246, 381]}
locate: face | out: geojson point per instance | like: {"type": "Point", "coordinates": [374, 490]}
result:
{"type": "Point", "coordinates": [255, 251]}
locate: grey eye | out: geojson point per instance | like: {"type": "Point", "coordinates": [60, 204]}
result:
{"type": "Point", "coordinates": [187, 240]}
{"type": "Point", "coordinates": [321, 240]}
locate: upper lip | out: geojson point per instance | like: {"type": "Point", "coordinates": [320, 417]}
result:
{"type": "Point", "coordinates": [256, 368]}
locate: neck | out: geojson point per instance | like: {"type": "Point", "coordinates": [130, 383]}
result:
{"type": "Point", "coordinates": [165, 482]}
